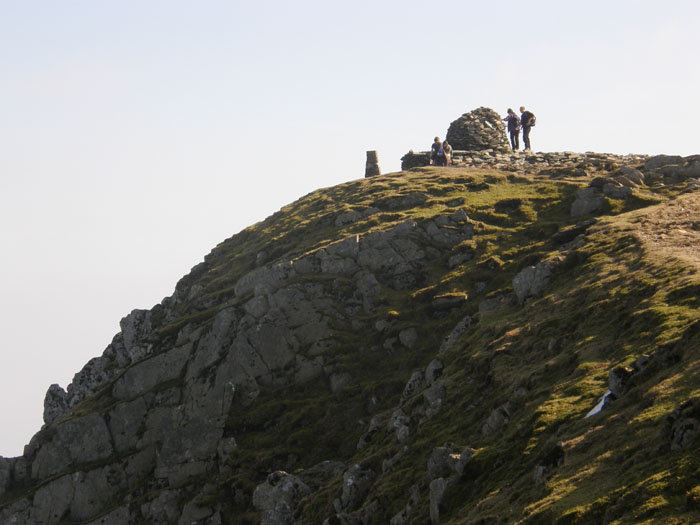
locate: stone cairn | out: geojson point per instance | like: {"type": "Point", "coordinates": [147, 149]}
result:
{"type": "Point", "coordinates": [372, 165]}
{"type": "Point", "coordinates": [481, 130]}
{"type": "Point", "coordinates": [478, 130]}
{"type": "Point", "coordinates": [478, 139]}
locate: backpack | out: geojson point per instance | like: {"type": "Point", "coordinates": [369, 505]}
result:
{"type": "Point", "coordinates": [440, 152]}
{"type": "Point", "coordinates": [532, 120]}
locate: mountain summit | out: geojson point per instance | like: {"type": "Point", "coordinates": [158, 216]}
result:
{"type": "Point", "coordinates": [513, 339]}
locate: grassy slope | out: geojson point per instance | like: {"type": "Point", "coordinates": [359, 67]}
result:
{"type": "Point", "coordinates": [610, 302]}
{"type": "Point", "coordinates": [613, 308]}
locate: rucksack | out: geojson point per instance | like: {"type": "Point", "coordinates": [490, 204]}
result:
{"type": "Point", "coordinates": [440, 152]}
{"type": "Point", "coordinates": [533, 119]}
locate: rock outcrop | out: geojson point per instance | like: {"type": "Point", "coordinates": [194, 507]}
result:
{"type": "Point", "coordinates": [278, 498]}
{"type": "Point", "coordinates": [319, 365]}
{"type": "Point", "coordinates": [165, 400]}
{"type": "Point", "coordinates": [532, 281]}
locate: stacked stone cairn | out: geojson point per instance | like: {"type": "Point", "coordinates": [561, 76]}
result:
{"type": "Point", "coordinates": [481, 130]}
{"type": "Point", "coordinates": [478, 139]}
{"type": "Point", "coordinates": [478, 130]}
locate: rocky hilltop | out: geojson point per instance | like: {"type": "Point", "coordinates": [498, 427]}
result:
{"type": "Point", "coordinates": [511, 339]}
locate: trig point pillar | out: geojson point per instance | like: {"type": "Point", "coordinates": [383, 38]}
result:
{"type": "Point", "coordinates": [372, 166]}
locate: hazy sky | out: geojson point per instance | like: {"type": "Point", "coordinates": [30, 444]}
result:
{"type": "Point", "coordinates": [136, 135]}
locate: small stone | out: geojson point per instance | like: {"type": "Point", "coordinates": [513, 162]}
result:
{"type": "Point", "coordinates": [438, 487]}
{"type": "Point", "coordinates": [588, 200]}
{"type": "Point", "coordinates": [356, 484]}
{"type": "Point", "coordinates": [414, 384]}
{"type": "Point", "coordinates": [279, 495]}
{"type": "Point", "coordinates": [618, 379]}
{"type": "Point", "coordinates": [532, 281]}
{"type": "Point", "coordinates": [408, 337]}
{"type": "Point", "coordinates": [433, 371]}
{"type": "Point", "coordinates": [339, 382]}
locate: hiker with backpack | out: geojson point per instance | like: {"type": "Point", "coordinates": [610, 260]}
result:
{"type": "Point", "coordinates": [527, 120]}
{"type": "Point", "coordinates": [437, 153]}
{"type": "Point", "coordinates": [513, 122]}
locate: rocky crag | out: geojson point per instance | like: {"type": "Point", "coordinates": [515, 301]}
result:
{"type": "Point", "coordinates": [424, 346]}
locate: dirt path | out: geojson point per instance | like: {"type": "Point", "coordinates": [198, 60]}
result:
{"type": "Point", "coordinates": [673, 227]}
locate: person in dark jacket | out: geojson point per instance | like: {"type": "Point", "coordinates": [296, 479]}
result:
{"type": "Point", "coordinates": [527, 120]}
{"type": "Point", "coordinates": [513, 122]}
{"type": "Point", "coordinates": [437, 153]}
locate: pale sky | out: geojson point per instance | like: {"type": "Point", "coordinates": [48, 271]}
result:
{"type": "Point", "coordinates": [136, 135]}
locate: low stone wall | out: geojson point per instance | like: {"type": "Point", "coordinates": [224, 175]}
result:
{"type": "Point", "coordinates": [569, 163]}
{"type": "Point", "coordinates": [414, 159]}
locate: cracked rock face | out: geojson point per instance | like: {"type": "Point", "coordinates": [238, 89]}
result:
{"type": "Point", "coordinates": [162, 402]}
{"type": "Point", "coordinates": [79, 440]}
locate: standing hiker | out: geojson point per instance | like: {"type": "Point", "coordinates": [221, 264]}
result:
{"type": "Point", "coordinates": [513, 121]}
{"type": "Point", "coordinates": [437, 153]}
{"type": "Point", "coordinates": [527, 120]}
